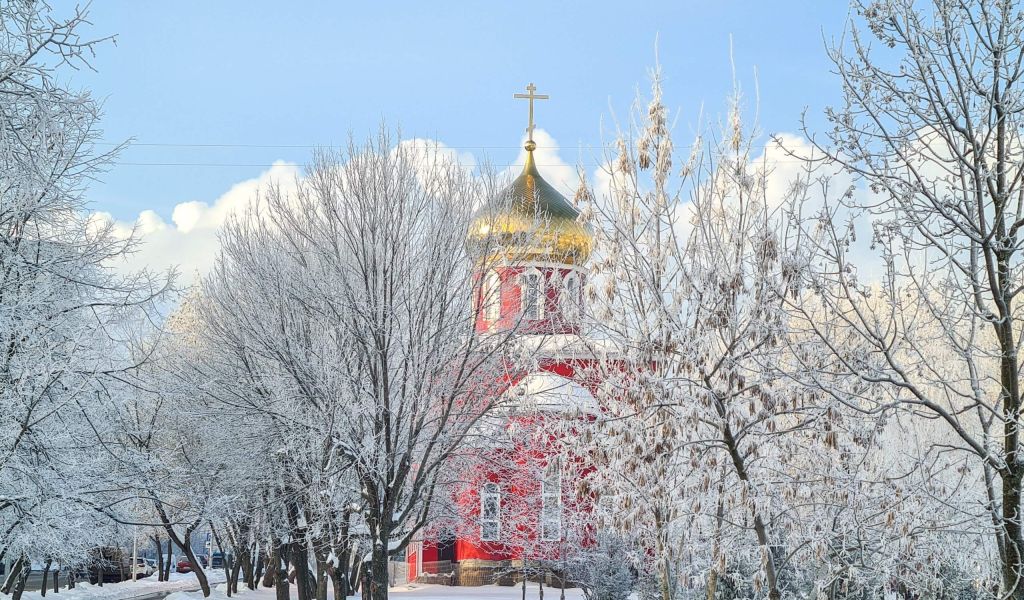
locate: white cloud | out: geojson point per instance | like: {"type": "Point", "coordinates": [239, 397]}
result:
{"type": "Point", "coordinates": [189, 243]}
{"type": "Point", "coordinates": [147, 223]}
{"type": "Point", "coordinates": [426, 153]}
{"type": "Point", "coordinates": [187, 214]}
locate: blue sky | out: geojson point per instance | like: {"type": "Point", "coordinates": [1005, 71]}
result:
{"type": "Point", "coordinates": [307, 73]}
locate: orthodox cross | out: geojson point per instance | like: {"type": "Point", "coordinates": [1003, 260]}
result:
{"type": "Point", "coordinates": [531, 96]}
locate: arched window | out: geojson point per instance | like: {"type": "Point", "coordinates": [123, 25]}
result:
{"type": "Point", "coordinates": [491, 292]}
{"type": "Point", "coordinates": [533, 295]}
{"type": "Point", "coordinates": [490, 512]}
{"type": "Point", "coordinates": [571, 299]}
{"type": "Point", "coordinates": [551, 498]}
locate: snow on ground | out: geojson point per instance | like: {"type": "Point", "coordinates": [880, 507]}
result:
{"type": "Point", "coordinates": [413, 591]}
{"type": "Point", "coordinates": [128, 589]}
{"type": "Point", "coordinates": [484, 592]}
{"type": "Point", "coordinates": [186, 587]}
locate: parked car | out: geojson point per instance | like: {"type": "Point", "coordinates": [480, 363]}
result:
{"type": "Point", "coordinates": [217, 560]}
{"type": "Point", "coordinates": [109, 564]}
{"type": "Point", "coordinates": [142, 568]}
{"type": "Point", "coordinates": [185, 565]}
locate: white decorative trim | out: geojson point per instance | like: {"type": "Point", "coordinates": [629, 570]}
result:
{"type": "Point", "coordinates": [541, 293]}
{"type": "Point", "coordinates": [556, 496]}
{"type": "Point", "coordinates": [490, 491]}
{"type": "Point", "coordinates": [571, 304]}
{"type": "Point", "coordinates": [539, 264]}
{"type": "Point", "coordinates": [491, 292]}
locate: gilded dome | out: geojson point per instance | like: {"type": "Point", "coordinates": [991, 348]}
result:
{"type": "Point", "coordinates": [531, 221]}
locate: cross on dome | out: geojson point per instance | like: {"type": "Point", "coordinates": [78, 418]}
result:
{"type": "Point", "coordinates": [531, 96]}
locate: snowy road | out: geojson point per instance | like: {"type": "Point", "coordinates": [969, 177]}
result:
{"type": "Point", "coordinates": [35, 581]}
{"type": "Point", "coordinates": [154, 596]}
{"type": "Point", "coordinates": [143, 589]}
{"type": "Point", "coordinates": [408, 592]}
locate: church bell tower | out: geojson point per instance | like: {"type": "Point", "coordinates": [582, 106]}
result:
{"type": "Point", "coordinates": [531, 249]}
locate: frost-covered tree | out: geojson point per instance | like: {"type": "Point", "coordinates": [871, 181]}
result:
{"type": "Point", "coordinates": [65, 313]}
{"type": "Point", "coordinates": [930, 122]}
{"type": "Point", "coordinates": [604, 571]}
{"type": "Point", "coordinates": [349, 301]}
{"type": "Point", "coordinates": [688, 288]}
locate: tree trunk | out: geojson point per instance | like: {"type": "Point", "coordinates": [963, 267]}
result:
{"type": "Point", "coordinates": [19, 585]}
{"type": "Point", "coordinates": [56, 580]}
{"type": "Point", "coordinates": [366, 586]}
{"type": "Point", "coordinates": [356, 577]}
{"type": "Point", "coordinates": [46, 576]}
{"type": "Point", "coordinates": [281, 576]}
{"type": "Point", "coordinates": [716, 544]}
{"type": "Point", "coordinates": [339, 581]}
{"type": "Point", "coordinates": [186, 546]}
{"type": "Point", "coordinates": [197, 568]}
{"type": "Point", "coordinates": [236, 569]}
{"type": "Point", "coordinates": [255, 567]}
{"type": "Point", "coordinates": [321, 574]}
{"type": "Point", "coordinates": [12, 576]}
{"type": "Point", "coordinates": [298, 555]}
{"type": "Point", "coordinates": [740, 467]}
{"type": "Point", "coordinates": [379, 575]}
{"type": "Point", "coordinates": [1013, 587]}
{"type": "Point", "coordinates": [344, 556]}
{"type": "Point", "coordinates": [159, 558]}
{"type": "Point", "coordinates": [270, 563]}
{"type": "Point", "coordinates": [245, 563]}
{"type": "Point", "coordinates": [224, 559]}
{"type": "Point", "coordinates": [170, 561]}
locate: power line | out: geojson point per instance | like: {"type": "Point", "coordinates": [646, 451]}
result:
{"type": "Point", "coordinates": [316, 146]}
{"type": "Point", "coordinates": [335, 146]}
{"type": "Point", "coordinates": [287, 164]}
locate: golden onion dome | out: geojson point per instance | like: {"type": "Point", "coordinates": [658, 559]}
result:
{"type": "Point", "coordinates": [531, 221]}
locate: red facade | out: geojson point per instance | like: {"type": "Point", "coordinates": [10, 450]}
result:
{"type": "Point", "coordinates": [531, 475]}
{"type": "Point", "coordinates": [520, 498]}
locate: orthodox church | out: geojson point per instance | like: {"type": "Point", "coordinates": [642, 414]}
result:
{"type": "Point", "coordinates": [521, 506]}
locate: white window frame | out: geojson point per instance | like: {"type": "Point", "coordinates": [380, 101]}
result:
{"type": "Point", "coordinates": [490, 492]}
{"type": "Point", "coordinates": [571, 301]}
{"type": "Point", "coordinates": [551, 503]}
{"type": "Point", "coordinates": [491, 295]}
{"type": "Point", "coordinates": [524, 284]}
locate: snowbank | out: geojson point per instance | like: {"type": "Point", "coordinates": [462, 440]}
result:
{"type": "Point", "coordinates": [412, 591]}
{"type": "Point", "coordinates": [128, 589]}
{"type": "Point", "coordinates": [484, 592]}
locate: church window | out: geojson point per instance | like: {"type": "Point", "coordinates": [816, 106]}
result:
{"type": "Point", "coordinates": [490, 513]}
{"type": "Point", "coordinates": [533, 295]}
{"type": "Point", "coordinates": [492, 296]}
{"type": "Point", "coordinates": [571, 300]}
{"type": "Point", "coordinates": [551, 499]}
